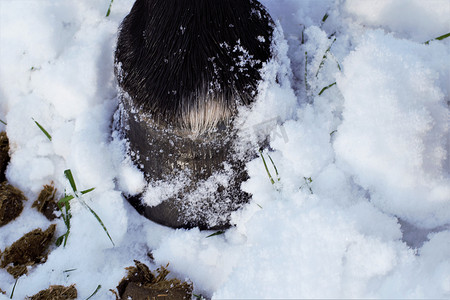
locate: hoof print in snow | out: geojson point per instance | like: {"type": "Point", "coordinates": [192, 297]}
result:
{"type": "Point", "coordinates": [4, 154]}
{"type": "Point", "coordinates": [11, 203]}
{"type": "Point", "coordinates": [56, 292]}
{"type": "Point", "coordinates": [46, 202]}
{"type": "Point", "coordinates": [27, 251]}
{"type": "Point", "coordinates": [184, 69]}
{"type": "Point", "coordinates": [141, 283]}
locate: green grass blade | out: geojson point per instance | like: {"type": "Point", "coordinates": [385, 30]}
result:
{"type": "Point", "coordinates": [69, 176]}
{"type": "Point", "coordinates": [275, 167]}
{"type": "Point", "coordinates": [14, 288]}
{"type": "Point", "coordinates": [307, 182]}
{"type": "Point", "coordinates": [109, 8]}
{"type": "Point", "coordinates": [87, 191]}
{"type": "Point", "coordinates": [60, 240]}
{"type": "Point", "coordinates": [66, 218]}
{"type": "Point", "coordinates": [325, 17]}
{"type": "Point", "coordinates": [69, 270]}
{"type": "Point", "coordinates": [1, 121]}
{"type": "Point", "coordinates": [439, 38]}
{"type": "Point", "coordinates": [444, 36]}
{"type": "Point", "coordinates": [95, 292]}
{"type": "Point", "coordinates": [66, 199]}
{"type": "Point", "coordinates": [66, 236]}
{"type": "Point", "coordinates": [325, 57]}
{"type": "Point", "coordinates": [43, 130]}
{"type": "Point", "coordinates": [306, 70]}
{"type": "Point", "coordinates": [216, 233]}
{"type": "Point", "coordinates": [326, 88]}
{"type": "Point", "coordinates": [265, 166]}
{"type": "Point", "coordinates": [100, 221]}
{"type": "Point", "coordinates": [303, 36]}
{"type": "Point", "coordinates": [335, 59]}
{"type": "Point", "coordinates": [62, 213]}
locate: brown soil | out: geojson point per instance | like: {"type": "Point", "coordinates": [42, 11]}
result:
{"type": "Point", "coordinates": [4, 154]}
{"type": "Point", "coordinates": [10, 203]}
{"type": "Point", "coordinates": [56, 292]}
{"type": "Point", "coordinates": [27, 251]}
{"type": "Point", "coordinates": [46, 202]}
{"type": "Point", "coordinates": [141, 283]}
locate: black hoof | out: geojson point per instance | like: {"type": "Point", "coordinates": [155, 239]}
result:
{"type": "Point", "coordinates": [184, 68]}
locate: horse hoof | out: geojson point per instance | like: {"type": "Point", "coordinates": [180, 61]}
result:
{"type": "Point", "coordinates": [184, 68]}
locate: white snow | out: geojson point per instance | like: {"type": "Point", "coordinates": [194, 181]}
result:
{"type": "Point", "coordinates": [362, 208]}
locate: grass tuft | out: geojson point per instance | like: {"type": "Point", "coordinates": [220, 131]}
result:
{"type": "Point", "coordinates": [66, 215]}
{"type": "Point", "coordinates": [267, 169]}
{"type": "Point", "coordinates": [265, 166]}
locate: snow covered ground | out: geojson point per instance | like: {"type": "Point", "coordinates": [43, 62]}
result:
{"type": "Point", "coordinates": [362, 208]}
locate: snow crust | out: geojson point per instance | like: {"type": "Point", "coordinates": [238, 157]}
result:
{"type": "Point", "coordinates": [362, 208]}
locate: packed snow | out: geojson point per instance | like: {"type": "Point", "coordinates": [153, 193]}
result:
{"type": "Point", "coordinates": [362, 207]}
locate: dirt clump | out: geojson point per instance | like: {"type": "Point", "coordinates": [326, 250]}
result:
{"type": "Point", "coordinates": [27, 251]}
{"type": "Point", "coordinates": [11, 205]}
{"type": "Point", "coordinates": [141, 283]}
{"type": "Point", "coordinates": [4, 154]}
{"type": "Point", "coordinates": [46, 202]}
{"type": "Point", "coordinates": [56, 292]}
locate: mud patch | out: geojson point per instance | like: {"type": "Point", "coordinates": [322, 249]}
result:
{"type": "Point", "coordinates": [46, 202]}
{"type": "Point", "coordinates": [4, 154]}
{"type": "Point", "coordinates": [56, 292]}
{"type": "Point", "coordinates": [11, 205]}
{"type": "Point", "coordinates": [141, 283]}
{"type": "Point", "coordinates": [27, 251]}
